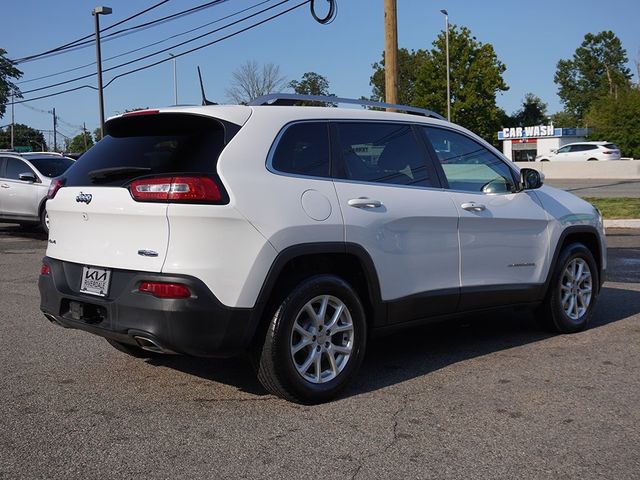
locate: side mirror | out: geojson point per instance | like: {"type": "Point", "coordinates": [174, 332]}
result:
{"type": "Point", "coordinates": [27, 177]}
{"type": "Point", "coordinates": [531, 179]}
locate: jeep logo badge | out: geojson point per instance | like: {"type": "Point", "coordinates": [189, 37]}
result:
{"type": "Point", "coordinates": [84, 198]}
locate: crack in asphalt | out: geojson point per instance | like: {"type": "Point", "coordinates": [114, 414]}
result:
{"type": "Point", "coordinates": [363, 460]}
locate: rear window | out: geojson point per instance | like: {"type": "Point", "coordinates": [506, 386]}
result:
{"type": "Point", "coordinates": [145, 145]}
{"type": "Point", "coordinates": [51, 166]}
{"type": "Point", "coordinates": [304, 150]}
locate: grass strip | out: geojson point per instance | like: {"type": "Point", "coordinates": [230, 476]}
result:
{"type": "Point", "coordinates": [612, 208]}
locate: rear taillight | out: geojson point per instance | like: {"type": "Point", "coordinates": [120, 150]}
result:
{"type": "Point", "coordinates": [177, 189]}
{"type": "Point", "coordinates": [55, 185]}
{"type": "Point", "coordinates": [44, 269]}
{"type": "Point", "coordinates": [165, 290]}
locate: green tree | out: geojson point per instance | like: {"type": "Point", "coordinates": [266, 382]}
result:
{"type": "Point", "coordinates": [565, 119]}
{"type": "Point", "coordinates": [312, 83]}
{"type": "Point", "coordinates": [533, 111]}
{"type": "Point", "coordinates": [409, 62]}
{"type": "Point", "coordinates": [80, 143]}
{"type": "Point", "coordinates": [23, 135]}
{"type": "Point", "coordinates": [597, 69]}
{"type": "Point", "coordinates": [97, 134]}
{"type": "Point", "coordinates": [7, 72]}
{"type": "Point", "coordinates": [617, 120]}
{"type": "Point", "coordinates": [476, 79]}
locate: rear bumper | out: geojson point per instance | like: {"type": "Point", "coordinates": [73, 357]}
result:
{"type": "Point", "coordinates": [199, 325]}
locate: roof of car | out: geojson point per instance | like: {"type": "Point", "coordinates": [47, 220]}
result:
{"type": "Point", "coordinates": [586, 143]}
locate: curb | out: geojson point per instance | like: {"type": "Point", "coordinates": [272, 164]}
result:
{"type": "Point", "coordinates": [626, 223]}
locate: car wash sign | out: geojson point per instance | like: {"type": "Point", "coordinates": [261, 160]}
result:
{"type": "Point", "coordinates": [537, 131]}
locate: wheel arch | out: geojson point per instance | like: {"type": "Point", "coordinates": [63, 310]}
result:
{"type": "Point", "coordinates": [584, 234]}
{"type": "Point", "coordinates": [292, 265]}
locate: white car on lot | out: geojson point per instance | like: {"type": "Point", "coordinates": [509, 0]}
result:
{"type": "Point", "coordinates": [294, 233]}
{"type": "Point", "coordinates": [581, 151]}
{"type": "Point", "coordinates": [24, 183]}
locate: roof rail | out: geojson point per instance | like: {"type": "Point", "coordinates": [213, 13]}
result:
{"type": "Point", "coordinates": [292, 98]}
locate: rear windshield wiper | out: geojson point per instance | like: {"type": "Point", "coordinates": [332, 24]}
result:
{"type": "Point", "coordinates": [102, 173]}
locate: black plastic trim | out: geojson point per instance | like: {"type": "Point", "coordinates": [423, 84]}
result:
{"type": "Point", "coordinates": [200, 325]}
{"type": "Point", "coordinates": [563, 236]}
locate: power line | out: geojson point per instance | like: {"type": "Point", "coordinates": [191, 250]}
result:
{"type": "Point", "coordinates": [210, 43]}
{"type": "Point", "coordinates": [146, 46]}
{"type": "Point", "coordinates": [91, 35]}
{"type": "Point", "coordinates": [175, 56]}
{"type": "Point", "coordinates": [125, 31]}
{"type": "Point", "coordinates": [89, 75]}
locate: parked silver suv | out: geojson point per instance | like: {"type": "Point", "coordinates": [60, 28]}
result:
{"type": "Point", "coordinates": [24, 182]}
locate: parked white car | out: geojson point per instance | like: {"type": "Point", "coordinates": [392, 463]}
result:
{"type": "Point", "coordinates": [24, 182]}
{"type": "Point", "coordinates": [581, 151]}
{"type": "Point", "coordinates": [294, 233]}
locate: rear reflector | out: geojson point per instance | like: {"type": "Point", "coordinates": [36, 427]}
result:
{"type": "Point", "coordinates": [176, 189]}
{"type": "Point", "coordinates": [44, 269]}
{"type": "Point", "coordinates": [165, 290]}
{"type": "Point", "coordinates": [54, 186]}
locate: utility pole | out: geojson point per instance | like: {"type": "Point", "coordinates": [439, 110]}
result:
{"type": "Point", "coordinates": [446, 36]}
{"type": "Point", "coordinates": [84, 135]}
{"type": "Point", "coordinates": [390, 52]}
{"type": "Point", "coordinates": [55, 131]}
{"type": "Point", "coordinates": [96, 12]}
{"type": "Point", "coordinates": [12, 116]}
{"type": "Point", "coordinates": [175, 79]}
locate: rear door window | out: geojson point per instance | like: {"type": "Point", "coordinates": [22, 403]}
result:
{"type": "Point", "coordinates": [304, 150]}
{"type": "Point", "coordinates": [146, 145]}
{"type": "Point", "coordinates": [381, 153]}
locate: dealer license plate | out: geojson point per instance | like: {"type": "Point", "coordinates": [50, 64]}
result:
{"type": "Point", "coordinates": [95, 280]}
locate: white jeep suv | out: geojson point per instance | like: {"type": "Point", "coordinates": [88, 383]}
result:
{"type": "Point", "coordinates": [294, 233]}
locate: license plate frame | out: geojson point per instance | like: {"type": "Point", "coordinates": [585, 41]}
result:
{"type": "Point", "coordinates": [95, 281]}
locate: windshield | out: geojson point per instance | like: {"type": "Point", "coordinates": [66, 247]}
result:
{"type": "Point", "coordinates": [51, 166]}
{"type": "Point", "coordinates": [150, 145]}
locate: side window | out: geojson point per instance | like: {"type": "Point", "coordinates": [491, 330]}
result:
{"type": "Point", "coordinates": [15, 167]}
{"type": "Point", "coordinates": [564, 150]}
{"type": "Point", "coordinates": [468, 165]}
{"type": "Point", "coordinates": [590, 147]}
{"type": "Point", "coordinates": [577, 148]}
{"type": "Point", "coordinates": [303, 149]}
{"type": "Point", "coordinates": [381, 153]}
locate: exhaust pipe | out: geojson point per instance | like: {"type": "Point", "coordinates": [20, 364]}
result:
{"type": "Point", "coordinates": [150, 345]}
{"type": "Point", "coordinates": [52, 319]}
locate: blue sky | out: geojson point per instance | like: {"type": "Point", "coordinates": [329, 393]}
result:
{"type": "Point", "coordinates": [528, 36]}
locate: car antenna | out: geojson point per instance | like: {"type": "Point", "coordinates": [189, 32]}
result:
{"type": "Point", "coordinates": [204, 98]}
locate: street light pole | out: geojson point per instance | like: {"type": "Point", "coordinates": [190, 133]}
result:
{"type": "Point", "coordinates": [175, 80]}
{"type": "Point", "coordinates": [446, 35]}
{"type": "Point", "coordinates": [96, 12]}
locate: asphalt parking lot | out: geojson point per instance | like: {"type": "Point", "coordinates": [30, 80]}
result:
{"type": "Point", "coordinates": [485, 397]}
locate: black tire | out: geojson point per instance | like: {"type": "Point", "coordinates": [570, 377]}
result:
{"type": "Point", "coordinates": [276, 366]}
{"type": "Point", "coordinates": [44, 220]}
{"type": "Point", "coordinates": [592, 160]}
{"type": "Point", "coordinates": [132, 350]}
{"type": "Point", "coordinates": [551, 314]}
{"type": "Point", "coordinates": [544, 160]}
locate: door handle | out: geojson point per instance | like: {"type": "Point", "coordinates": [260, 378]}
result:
{"type": "Point", "coordinates": [364, 202]}
{"type": "Point", "coordinates": [473, 207]}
